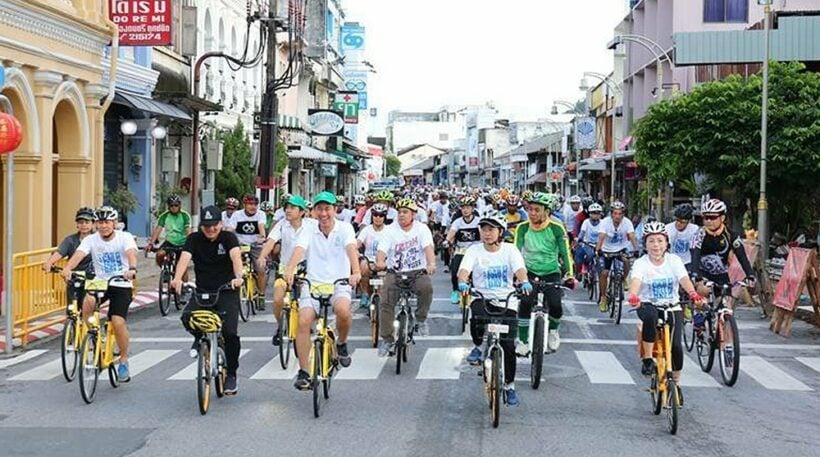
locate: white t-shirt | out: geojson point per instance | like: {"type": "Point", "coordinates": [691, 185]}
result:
{"type": "Point", "coordinates": [590, 231]}
{"type": "Point", "coordinates": [659, 282]}
{"type": "Point", "coordinates": [442, 212]}
{"type": "Point", "coordinates": [494, 272]}
{"type": "Point", "coordinates": [467, 233]}
{"type": "Point", "coordinates": [326, 255]}
{"type": "Point", "coordinates": [345, 215]}
{"type": "Point", "coordinates": [225, 219]}
{"type": "Point", "coordinates": [615, 239]}
{"type": "Point", "coordinates": [568, 216]}
{"type": "Point", "coordinates": [421, 215]}
{"type": "Point", "coordinates": [680, 243]}
{"type": "Point", "coordinates": [392, 215]}
{"type": "Point", "coordinates": [284, 232]}
{"type": "Point", "coordinates": [405, 249]}
{"type": "Point", "coordinates": [278, 215]}
{"type": "Point", "coordinates": [246, 225]}
{"type": "Point", "coordinates": [371, 239]}
{"type": "Point", "coordinates": [108, 257]}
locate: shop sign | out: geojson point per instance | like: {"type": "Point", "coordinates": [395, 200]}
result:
{"type": "Point", "coordinates": [142, 22]}
{"type": "Point", "coordinates": [325, 122]}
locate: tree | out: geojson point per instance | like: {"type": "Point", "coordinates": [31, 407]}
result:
{"type": "Point", "coordinates": [393, 165]}
{"type": "Point", "coordinates": [715, 130]}
{"type": "Point", "coordinates": [236, 177]}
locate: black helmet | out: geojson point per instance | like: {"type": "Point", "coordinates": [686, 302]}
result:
{"type": "Point", "coordinates": [684, 212]}
{"type": "Point", "coordinates": [85, 214]}
{"type": "Point", "coordinates": [173, 199]}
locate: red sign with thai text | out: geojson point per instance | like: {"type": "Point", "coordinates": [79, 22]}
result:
{"type": "Point", "coordinates": [142, 22]}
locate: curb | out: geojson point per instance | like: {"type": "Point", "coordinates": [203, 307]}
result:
{"type": "Point", "coordinates": [140, 301]}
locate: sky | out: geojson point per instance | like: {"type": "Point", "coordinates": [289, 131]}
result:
{"type": "Point", "coordinates": [519, 54]}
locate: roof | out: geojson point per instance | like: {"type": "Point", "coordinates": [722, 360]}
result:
{"type": "Point", "coordinates": [414, 147]}
{"type": "Point", "coordinates": [425, 164]}
{"type": "Point", "coordinates": [149, 105]}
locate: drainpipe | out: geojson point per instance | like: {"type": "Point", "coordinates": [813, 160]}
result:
{"type": "Point", "coordinates": [112, 81]}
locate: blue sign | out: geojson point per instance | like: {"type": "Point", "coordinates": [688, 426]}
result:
{"type": "Point", "coordinates": [2, 75]}
{"type": "Point", "coordinates": [356, 80]}
{"type": "Point", "coordinates": [352, 37]}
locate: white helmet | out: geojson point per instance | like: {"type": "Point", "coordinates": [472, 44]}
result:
{"type": "Point", "coordinates": [358, 199]}
{"type": "Point", "coordinates": [575, 199]}
{"type": "Point", "coordinates": [617, 205]}
{"type": "Point", "coordinates": [595, 208]}
{"type": "Point", "coordinates": [713, 206]}
{"type": "Point", "coordinates": [654, 228]}
{"type": "Point", "coordinates": [496, 219]}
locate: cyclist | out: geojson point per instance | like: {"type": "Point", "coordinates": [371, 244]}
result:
{"type": "Point", "coordinates": [462, 234]}
{"type": "Point", "coordinates": [343, 213]}
{"type": "Point", "coordinates": [267, 208]}
{"type": "Point", "coordinates": [249, 226]}
{"type": "Point", "coordinates": [285, 232]}
{"type": "Point", "coordinates": [385, 197]}
{"type": "Point", "coordinates": [368, 241]}
{"type": "Point", "coordinates": [279, 214]}
{"type": "Point", "coordinates": [113, 253]}
{"type": "Point", "coordinates": [330, 250]}
{"type": "Point", "coordinates": [439, 212]}
{"type": "Point", "coordinates": [409, 244]}
{"type": "Point", "coordinates": [614, 235]}
{"type": "Point", "coordinates": [545, 248]}
{"type": "Point", "coordinates": [362, 209]}
{"type": "Point", "coordinates": [681, 233]}
{"type": "Point", "coordinates": [359, 209]}
{"type": "Point", "coordinates": [231, 204]}
{"type": "Point", "coordinates": [584, 246]}
{"type": "Point", "coordinates": [656, 277]}
{"type": "Point", "coordinates": [570, 213]}
{"type": "Point", "coordinates": [217, 260]}
{"type": "Point", "coordinates": [493, 265]}
{"type": "Point", "coordinates": [84, 218]}
{"type": "Point", "coordinates": [177, 224]}
{"type": "Point", "coordinates": [513, 216]}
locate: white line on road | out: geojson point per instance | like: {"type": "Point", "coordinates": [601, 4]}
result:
{"type": "Point", "coordinates": [43, 372]}
{"type": "Point", "coordinates": [22, 358]}
{"type": "Point", "coordinates": [366, 365]}
{"type": "Point", "coordinates": [188, 373]}
{"type": "Point", "coordinates": [693, 376]}
{"type": "Point", "coordinates": [769, 375]}
{"type": "Point", "coordinates": [583, 323]}
{"type": "Point", "coordinates": [147, 359]}
{"type": "Point", "coordinates": [273, 370]}
{"type": "Point", "coordinates": [603, 368]}
{"type": "Point", "coordinates": [811, 362]}
{"type": "Point", "coordinates": [441, 363]}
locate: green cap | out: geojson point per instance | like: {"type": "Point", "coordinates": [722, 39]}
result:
{"type": "Point", "coordinates": [297, 201]}
{"type": "Point", "coordinates": [324, 197]}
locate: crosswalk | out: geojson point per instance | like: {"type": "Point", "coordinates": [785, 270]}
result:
{"type": "Point", "coordinates": [438, 363]}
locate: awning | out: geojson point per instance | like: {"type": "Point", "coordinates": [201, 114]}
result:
{"type": "Point", "coordinates": [149, 105]}
{"type": "Point", "coordinates": [538, 178]}
{"type": "Point", "coordinates": [592, 165]}
{"type": "Point", "coordinates": [309, 153]}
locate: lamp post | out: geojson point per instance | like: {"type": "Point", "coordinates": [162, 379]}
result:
{"type": "Point", "coordinates": [13, 143]}
{"type": "Point", "coordinates": [762, 203]}
{"type": "Point", "coordinates": [572, 107]}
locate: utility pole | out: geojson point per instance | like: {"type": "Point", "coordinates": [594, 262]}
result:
{"type": "Point", "coordinates": [269, 115]}
{"type": "Point", "coordinates": [763, 204]}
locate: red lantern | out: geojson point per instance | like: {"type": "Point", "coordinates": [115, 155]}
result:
{"type": "Point", "coordinates": [11, 133]}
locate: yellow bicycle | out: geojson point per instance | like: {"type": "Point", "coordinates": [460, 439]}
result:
{"type": "Point", "coordinates": [74, 329]}
{"type": "Point", "coordinates": [249, 293]}
{"type": "Point", "coordinates": [663, 388]}
{"type": "Point", "coordinates": [290, 320]}
{"type": "Point", "coordinates": [97, 349]}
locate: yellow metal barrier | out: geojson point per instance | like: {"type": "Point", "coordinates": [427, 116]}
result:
{"type": "Point", "coordinates": [37, 295]}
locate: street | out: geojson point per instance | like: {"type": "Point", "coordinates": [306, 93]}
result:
{"type": "Point", "coordinates": [592, 401]}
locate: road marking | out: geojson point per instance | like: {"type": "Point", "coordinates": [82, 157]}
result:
{"type": "Point", "coordinates": [44, 372]}
{"type": "Point", "coordinates": [366, 365]}
{"type": "Point", "coordinates": [811, 362]}
{"type": "Point", "coordinates": [693, 376]}
{"type": "Point", "coordinates": [769, 376]}
{"type": "Point", "coordinates": [273, 370]}
{"type": "Point", "coordinates": [583, 323]}
{"type": "Point", "coordinates": [442, 363]}
{"type": "Point", "coordinates": [147, 359]}
{"type": "Point", "coordinates": [602, 367]}
{"type": "Point", "coordinates": [22, 358]}
{"type": "Point", "coordinates": [188, 373]}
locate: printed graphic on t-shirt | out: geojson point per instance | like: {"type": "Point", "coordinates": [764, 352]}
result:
{"type": "Point", "coordinates": [617, 237]}
{"type": "Point", "coordinates": [497, 276]}
{"type": "Point", "coordinates": [247, 228]}
{"type": "Point", "coordinates": [662, 288]}
{"type": "Point", "coordinates": [409, 255]}
{"type": "Point", "coordinates": [680, 246]}
{"type": "Point", "coordinates": [110, 262]}
{"type": "Point", "coordinates": [469, 235]}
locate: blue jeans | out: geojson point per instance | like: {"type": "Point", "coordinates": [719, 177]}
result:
{"type": "Point", "coordinates": [584, 255]}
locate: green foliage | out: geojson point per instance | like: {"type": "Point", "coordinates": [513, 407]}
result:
{"type": "Point", "coordinates": [237, 175]}
{"type": "Point", "coordinates": [715, 130]}
{"type": "Point", "coordinates": [122, 199]}
{"type": "Point", "coordinates": [393, 165]}
{"type": "Point", "coordinates": [281, 158]}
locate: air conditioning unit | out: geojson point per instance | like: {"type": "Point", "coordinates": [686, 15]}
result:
{"type": "Point", "coordinates": [213, 155]}
{"type": "Point", "coordinates": [170, 160]}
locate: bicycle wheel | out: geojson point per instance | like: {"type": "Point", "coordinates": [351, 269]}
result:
{"type": "Point", "coordinates": [329, 375]}
{"type": "Point", "coordinates": [465, 309]}
{"type": "Point", "coordinates": [374, 319]}
{"type": "Point", "coordinates": [112, 376]}
{"type": "Point", "coordinates": [672, 403]}
{"type": "Point", "coordinates": [316, 373]}
{"type": "Point", "coordinates": [284, 339]}
{"type": "Point", "coordinates": [203, 377]}
{"type": "Point", "coordinates": [619, 307]}
{"type": "Point", "coordinates": [164, 292]}
{"type": "Point", "coordinates": [254, 296]}
{"type": "Point", "coordinates": [705, 348]}
{"type": "Point", "coordinates": [610, 295]}
{"type": "Point", "coordinates": [537, 352]}
{"type": "Point", "coordinates": [592, 284]}
{"type": "Point", "coordinates": [89, 372]}
{"type": "Point", "coordinates": [401, 341]}
{"type": "Point", "coordinates": [655, 393]}
{"type": "Point", "coordinates": [688, 330]}
{"type": "Point", "coordinates": [177, 300]}
{"type": "Point", "coordinates": [69, 356]}
{"type": "Point", "coordinates": [221, 372]}
{"type": "Point", "coordinates": [729, 350]}
{"type": "Point", "coordinates": [495, 386]}
{"type": "Point", "coordinates": [244, 302]}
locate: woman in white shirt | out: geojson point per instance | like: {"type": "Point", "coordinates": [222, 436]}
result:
{"type": "Point", "coordinates": [368, 240]}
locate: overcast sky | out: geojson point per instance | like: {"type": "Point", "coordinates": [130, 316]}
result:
{"type": "Point", "coordinates": [521, 54]}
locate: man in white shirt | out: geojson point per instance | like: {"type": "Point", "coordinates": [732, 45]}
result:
{"type": "Point", "coordinates": [343, 213]}
{"type": "Point", "coordinates": [614, 236]}
{"type": "Point", "coordinates": [681, 233]}
{"type": "Point", "coordinates": [368, 240]}
{"type": "Point", "coordinates": [439, 211]}
{"type": "Point", "coordinates": [385, 197]}
{"type": "Point", "coordinates": [330, 249]}
{"type": "Point", "coordinates": [279, 214]}
{"type": "Point", "coordinates": [569, 212]}
{"type": "Point", "coordinates": [249, 226]}
{"type": "Point", "coordinates": [408, 249]}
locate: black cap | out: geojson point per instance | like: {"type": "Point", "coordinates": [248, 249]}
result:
{"type": "Point", "coordinates": [210, 216]}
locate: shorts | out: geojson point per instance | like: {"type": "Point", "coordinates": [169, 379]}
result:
{"type": "Point", "coordinates": [605, 261]}
{"type": "Point", "coordinates": [119, 300]}
{"type": "Point", "coordinates": [256, 249]}
{"type": "Point", "coordinates": [339, 292]}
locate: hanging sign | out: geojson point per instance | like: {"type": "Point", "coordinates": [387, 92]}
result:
{"type": "Point", "coordinates": [142, 22]}
{"type": "Point", "coordinates": [325, 122]}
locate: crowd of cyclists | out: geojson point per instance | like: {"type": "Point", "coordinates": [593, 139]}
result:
{"type": "Point", "coordinates": [492, 241]}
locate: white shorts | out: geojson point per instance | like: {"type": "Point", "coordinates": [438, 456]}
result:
{"type": "Point", "coordinates": [340, 291]}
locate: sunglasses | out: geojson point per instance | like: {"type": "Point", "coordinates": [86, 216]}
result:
{"type": "Point", "coordinates": [173, 206]}
{"type": "Point", "coordinates": [683, 221]}
{"type": "Point", "coordinates": [711, 217]}
{"type": "Point", "coordinates": [379, 215]}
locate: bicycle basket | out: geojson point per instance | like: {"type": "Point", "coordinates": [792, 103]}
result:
{"type": "Point", "coordinates": [205, 321]}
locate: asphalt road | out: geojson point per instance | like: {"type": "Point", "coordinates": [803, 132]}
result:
{"type": "Point", "coordinates": [592, 401]}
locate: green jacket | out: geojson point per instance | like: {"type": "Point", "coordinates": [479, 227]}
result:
{"type": "Point", "coordinates": [541, 248]}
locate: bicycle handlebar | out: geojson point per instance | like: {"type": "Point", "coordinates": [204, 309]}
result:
{"type": "Point", "coordinates": [475, 292]}
{"type": "Point", "coordinates": [203, 298]}
{"type": "Point", "coordinates": [322, 297]}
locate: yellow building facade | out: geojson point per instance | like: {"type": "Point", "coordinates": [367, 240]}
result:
{"type": "Point", "coordinates": [52, 52]}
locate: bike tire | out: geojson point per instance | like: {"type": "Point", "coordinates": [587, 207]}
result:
{"type": "Point", "coordinates": [705, 347]}
{"type": "Point", "coordinates": [465, 311]}
{"type": "Point", "coordinates": [537, 355]}
{"type": "Point", "coordinates": [672, 403]}
{"type": "Point", "coordinates": [203, 377]}
{"type": "Point", "coordinates": [495, 387]}
{"type": "Point", "coordinates": [316, 367]}
{"type": "Point", "coordinates": [592, 284]}
{"type": "Point", "coordinates": [688, 331]}
{"type": "Point", "coordinates": [112, 376]}
{"type": "Point", "coordinates": [284, 339]}
{"type": "Point", "coordinates": [177, 301]}
{"type": "Point", "coordinates": [164, 293]}
{"type": "Point", "coordinates": [69, 355]}
{"type": "Point", "coordinates": [401, 341]}
{"type": "Point", "coordinates": [655, 393]}
{"type": "Point", "coordinates": [374, 320]}
{"type": "Point", "coordinates": [221, 372]}
{"type": "Point", "coordinates": [244, 303]}
{"type": "Point", "coordinates": [89, 367]}
{"type": "Point", "coordinates": [729, 360]}
{"type": "Point", "coordinates": [610, 295]}
{"type": "Point", "coordinates": [619, 309]}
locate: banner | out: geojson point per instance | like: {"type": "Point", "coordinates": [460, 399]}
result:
{"type": "Point", "coordinates": [142, 22]}
{"type": "Point", "coordinates": [585, 132]}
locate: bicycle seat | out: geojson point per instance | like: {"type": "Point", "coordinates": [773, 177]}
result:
{"type": "Point", "coordinates": [245, 248]}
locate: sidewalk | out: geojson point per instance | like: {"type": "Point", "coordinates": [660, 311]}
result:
{"type": "Point", "coordinates": [146, 297]}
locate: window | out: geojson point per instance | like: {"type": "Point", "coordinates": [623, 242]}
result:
{"type": "Point", "coordinates": [725, 10]}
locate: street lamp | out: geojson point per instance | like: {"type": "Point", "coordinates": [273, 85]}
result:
{"type": "Point", "coordinates": [572, 107]}
{"type": "Point", "coordinates": [762, 203]}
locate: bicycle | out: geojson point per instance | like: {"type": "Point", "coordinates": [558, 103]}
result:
{"type": "Point", "coordinates": [539, 319]}
{"type": "Point", "coordinates": [249, 294]}
{"type": "Point", "coordinates": [493, 362]}
{"type": "Point", "coordinates": [74, 329]}
{"type": "Point", "coordinates": [167, 272]}
{"type": "Point", "coordinates": [97, 349]}
{"type": "Point", "coordinates": [290, 321]}
{"type": "Point", "coordinates": [375, 300]}
{"type": "Point", "coordinates": [589, 276]}
{"type": "Point", "coordinates": [719, 334]}
{"type": "Point", "coordinates": [211, 361]}
{"type": "Point", "coordinates": [323, 358]}
{"type": "Point", "coordinates": [688, 322]}
{"type": "Point", "coordinates": [663, 388]}
{"type": "Point", "coordinates": [615, 288]}
{"type": "Point", "coordinates": [404, 325]}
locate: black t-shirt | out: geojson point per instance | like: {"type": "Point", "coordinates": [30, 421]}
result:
{"type": "Point", "coordinates": [69, 246]}
{"type": "Point", "coordinates": [212, 261]}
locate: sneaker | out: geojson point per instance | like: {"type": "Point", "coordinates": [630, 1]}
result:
{"type": "Point", "coordinates": [302, 381]}
{"type": "Point", "coordinates": [422, 329]}
{"type": "Point", "coordinates": [344, 356]}
{"type": "Point", "coordinates": [522, 349]}
{"type": "Point", "coordinates": [602, 304]}
{"type": "Point", "coordinates": [194, 352]}
{"type": "Point", "coordinates": [455, 297]}
{"type": "Point", "coordinates": [386, 349]}
{"type": "Point", "coordinates": [230, 385]}
{"type": "Point", "coordinates": [553, 340]}
{"type": "Point", "coordinates": [648, 367]}
{"type": "Point", "coordinates": [510, 397]}
{"type": "Point", "coordinates": [364, 301]}
{"type": "Point", "coordinates": [122, 372]}
{"type": "Point", "coordinates": [277, 339]}
{"type": "Point", "coordinates": [474, 357]}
